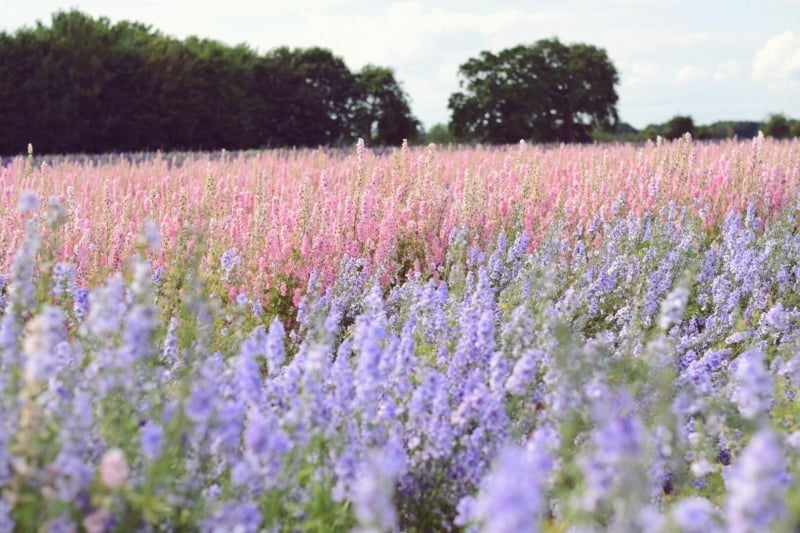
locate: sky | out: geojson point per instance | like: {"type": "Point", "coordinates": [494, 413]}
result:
{"type": "Point", "coordinates": [713, 60]}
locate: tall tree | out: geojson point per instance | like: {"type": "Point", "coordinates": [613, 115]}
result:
{"type": "Point", "coordinates": [384, 115]}
{"type": "Point", "coordinates": [778, 126]}
{"type": "Point", "coordinates": [544, 92]}
{"type": "Point", "coordinates": [679, 125]}
{"type": "Point", "coordinates": [85, 85]}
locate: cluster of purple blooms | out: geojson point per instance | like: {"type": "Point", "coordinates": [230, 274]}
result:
{"type": "Point", "coordinates": [640, 374]}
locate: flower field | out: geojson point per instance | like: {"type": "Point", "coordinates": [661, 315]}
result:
{"type": "Point", "coordinates": [511, 339]}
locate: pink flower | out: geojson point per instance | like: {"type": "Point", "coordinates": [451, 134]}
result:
{"type": "Point", "coordinates": [113, 468]}
{"type": "Point", "coordinates": [97, 521]}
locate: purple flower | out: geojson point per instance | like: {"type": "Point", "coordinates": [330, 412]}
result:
{"type": "Point", "coordinates": [276, 350]}
{"type": "Point", "coordinates": [524, 373]}
{"type": "Point", "coordinates": [757, 485]}
{"type": "Point", "coordinates": [373, 490]}
{"type": "Point", "coordinates": [752, 384]}
{"type": "Point", "coordinates": [62, 524]}
{"type": "Point", "coordinates": [152, 440]}
{"type": "Point", "coordinates": [241, 517]}
{"type": "Point", "coordinates": [200, 403]}
{"type": "Point", "coordinates": [696, 515]}
{"type": "Point", "coordinates": [229, 261]}
{"type": "Point", "coordinates": [42, 335]}
{"type": "Point", "coordinates": [28, 202]}
{"type": "Point", "coordinates": [511, 496]}
{"type": "Point", "coordinates": [6, 524]}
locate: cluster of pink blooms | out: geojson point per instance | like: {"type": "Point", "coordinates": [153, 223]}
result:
{"type": "Point", "coordinates": [290, 213]}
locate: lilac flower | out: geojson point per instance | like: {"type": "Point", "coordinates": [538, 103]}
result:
{"type": "Point", "coordinates": [6, 524]}
{"type": "Point", "coordinates": [169, 350]}
{"type": "Point", "coordinates": [140, 322]}
{"type": "Point", "coordinates": [28, 202]}
{"type": "Point", "coordinates": [756, 486]}
{"type": "Point", "coordinates": [673, 308]}
{"type": "Point", "coordinates": [276, 351]}
{"type": "Point", "coordinates": [62, 524]}
{"type": "Point", "coordinates": [511, 497]}
{"type": "Point", "coordinates": [241, 517]}
{"type": "Point", "coordinates": [373, 490]}
{"type": "Point", "coordinates": [200, 404]}
{"type": "Point", "coordinates": [43, 333]}
{"type": "Point", "coordinates": [152, 235]}
{"type": "Point", "coordinates": [81, 304]}
{"type": "Point", "coordinates": [524, 373]}
{"type": "Point", "coordinates": [152, 440]}
{"type": "Point", "coordinates": [696, 515]}
{"type": "Point", "coordinates": [752, 384]}
{"type": "Point", "coordinates": [72, 474]}
{"type": "Point", "coordinates": [63, 279]}
{"type": "Point", "coordinates": [229, 261]}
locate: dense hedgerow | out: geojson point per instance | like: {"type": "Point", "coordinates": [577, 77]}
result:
{"type": "Point", "coordinates": [636, 373]}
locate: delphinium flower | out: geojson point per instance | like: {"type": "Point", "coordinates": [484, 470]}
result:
{"type": "Point", "coordinates": [169, 350]}
{"type": "Point", "coordinates": [106, 309]}
{"type": "Point", "coordinates": [98, 521]}
{"type": "Point", "coordinates": [151, 440]}
{"type": "Point", "coordinates": [756, 486]}
{"type": "Point", "coordinates": [42, 334]}
{"type": "Point", "coordinates": [373, 489]}
{"type": "Point", "coordinates": [63, 282]}
{"type": "Point", "coordinates": [673, 308]}
{"type": "Point", "coordinates": [276, 350]}
{"type": "Point", "coordinates": [61, 524]}
{"type": "Point", "coordinates": [369, 334]}
{"type": "Point", "coordinates": [610, 463]}
{"type": "Point", "coordinates": [241, 517]}
{"type": "Point", "coordinates": [752, 385]}
{"type": "Point", "coordinates": [152, 235]}
{"type": "Point", "coordinates": [20, 287]}
{"type": "Point", "coordinates": [512, 496]}
{"type": "Point", "coordinates": [696, 515]}
{"type": "Point", "coordinates": [229, 262]}
{"type": "Point", "coordinates": [114, 469]}
{"type": "Point", "coordinates": [265, 446]}
{"type": "Point", "coordinates": [28, 202]}
{"type": "Point", "coordinates": [524, 372]}
{"type": "Point", "coordinates": [139, 324]}
{"type": "Point", "coordinates": [81, 303]}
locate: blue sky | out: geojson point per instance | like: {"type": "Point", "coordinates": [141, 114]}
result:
{"type": "Point", "coordinates": [706, 58]}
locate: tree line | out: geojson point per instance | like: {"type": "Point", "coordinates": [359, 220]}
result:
{"type": "Point", "coordinates": [83, 85]}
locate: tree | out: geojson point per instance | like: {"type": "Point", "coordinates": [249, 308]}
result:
{"type": "Point", "coordinates": [678, 125]}
{"type": "Point", "coordinates": [778, 126]}
{"type": "Point", "coordinates": [440, 134]}
{"type": "Point", "coordinates": [544, 92]}
{"type": "Point", "coordinates": [384, 115]}
{"type": "Point", "coordinates": [796, 129]}
{"type": "Point", "coordinates": [306, 97]}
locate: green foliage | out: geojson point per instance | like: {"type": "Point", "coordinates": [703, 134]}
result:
{"type": "Point", "coordinates": [678, 126]}
{"type": "Point", "coordinates": [440, 134]}
{"type": "Point", "coordinates": [83, 85]}
{"type": "Point", "coordinates": [384, 116]}
{"type": "Point", "coordinates": [778, 126]}
{"type": "Point", "coordinates": [545, 92]}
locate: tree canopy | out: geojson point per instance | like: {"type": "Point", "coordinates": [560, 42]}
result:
{"type": "Point", "coordinates": [86, 85]}
{"type": "Point", "coordinates": [545, 92]}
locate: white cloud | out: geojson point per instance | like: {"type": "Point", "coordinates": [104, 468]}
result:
{"type": "Point", "coordinates": [690, 74]}
{"type": "Point", "coordinates": [728, 70]}
{"type": "Point", "coordinates": [643, 72]}
{"type": "Point", "coordinates": [777, 63]}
